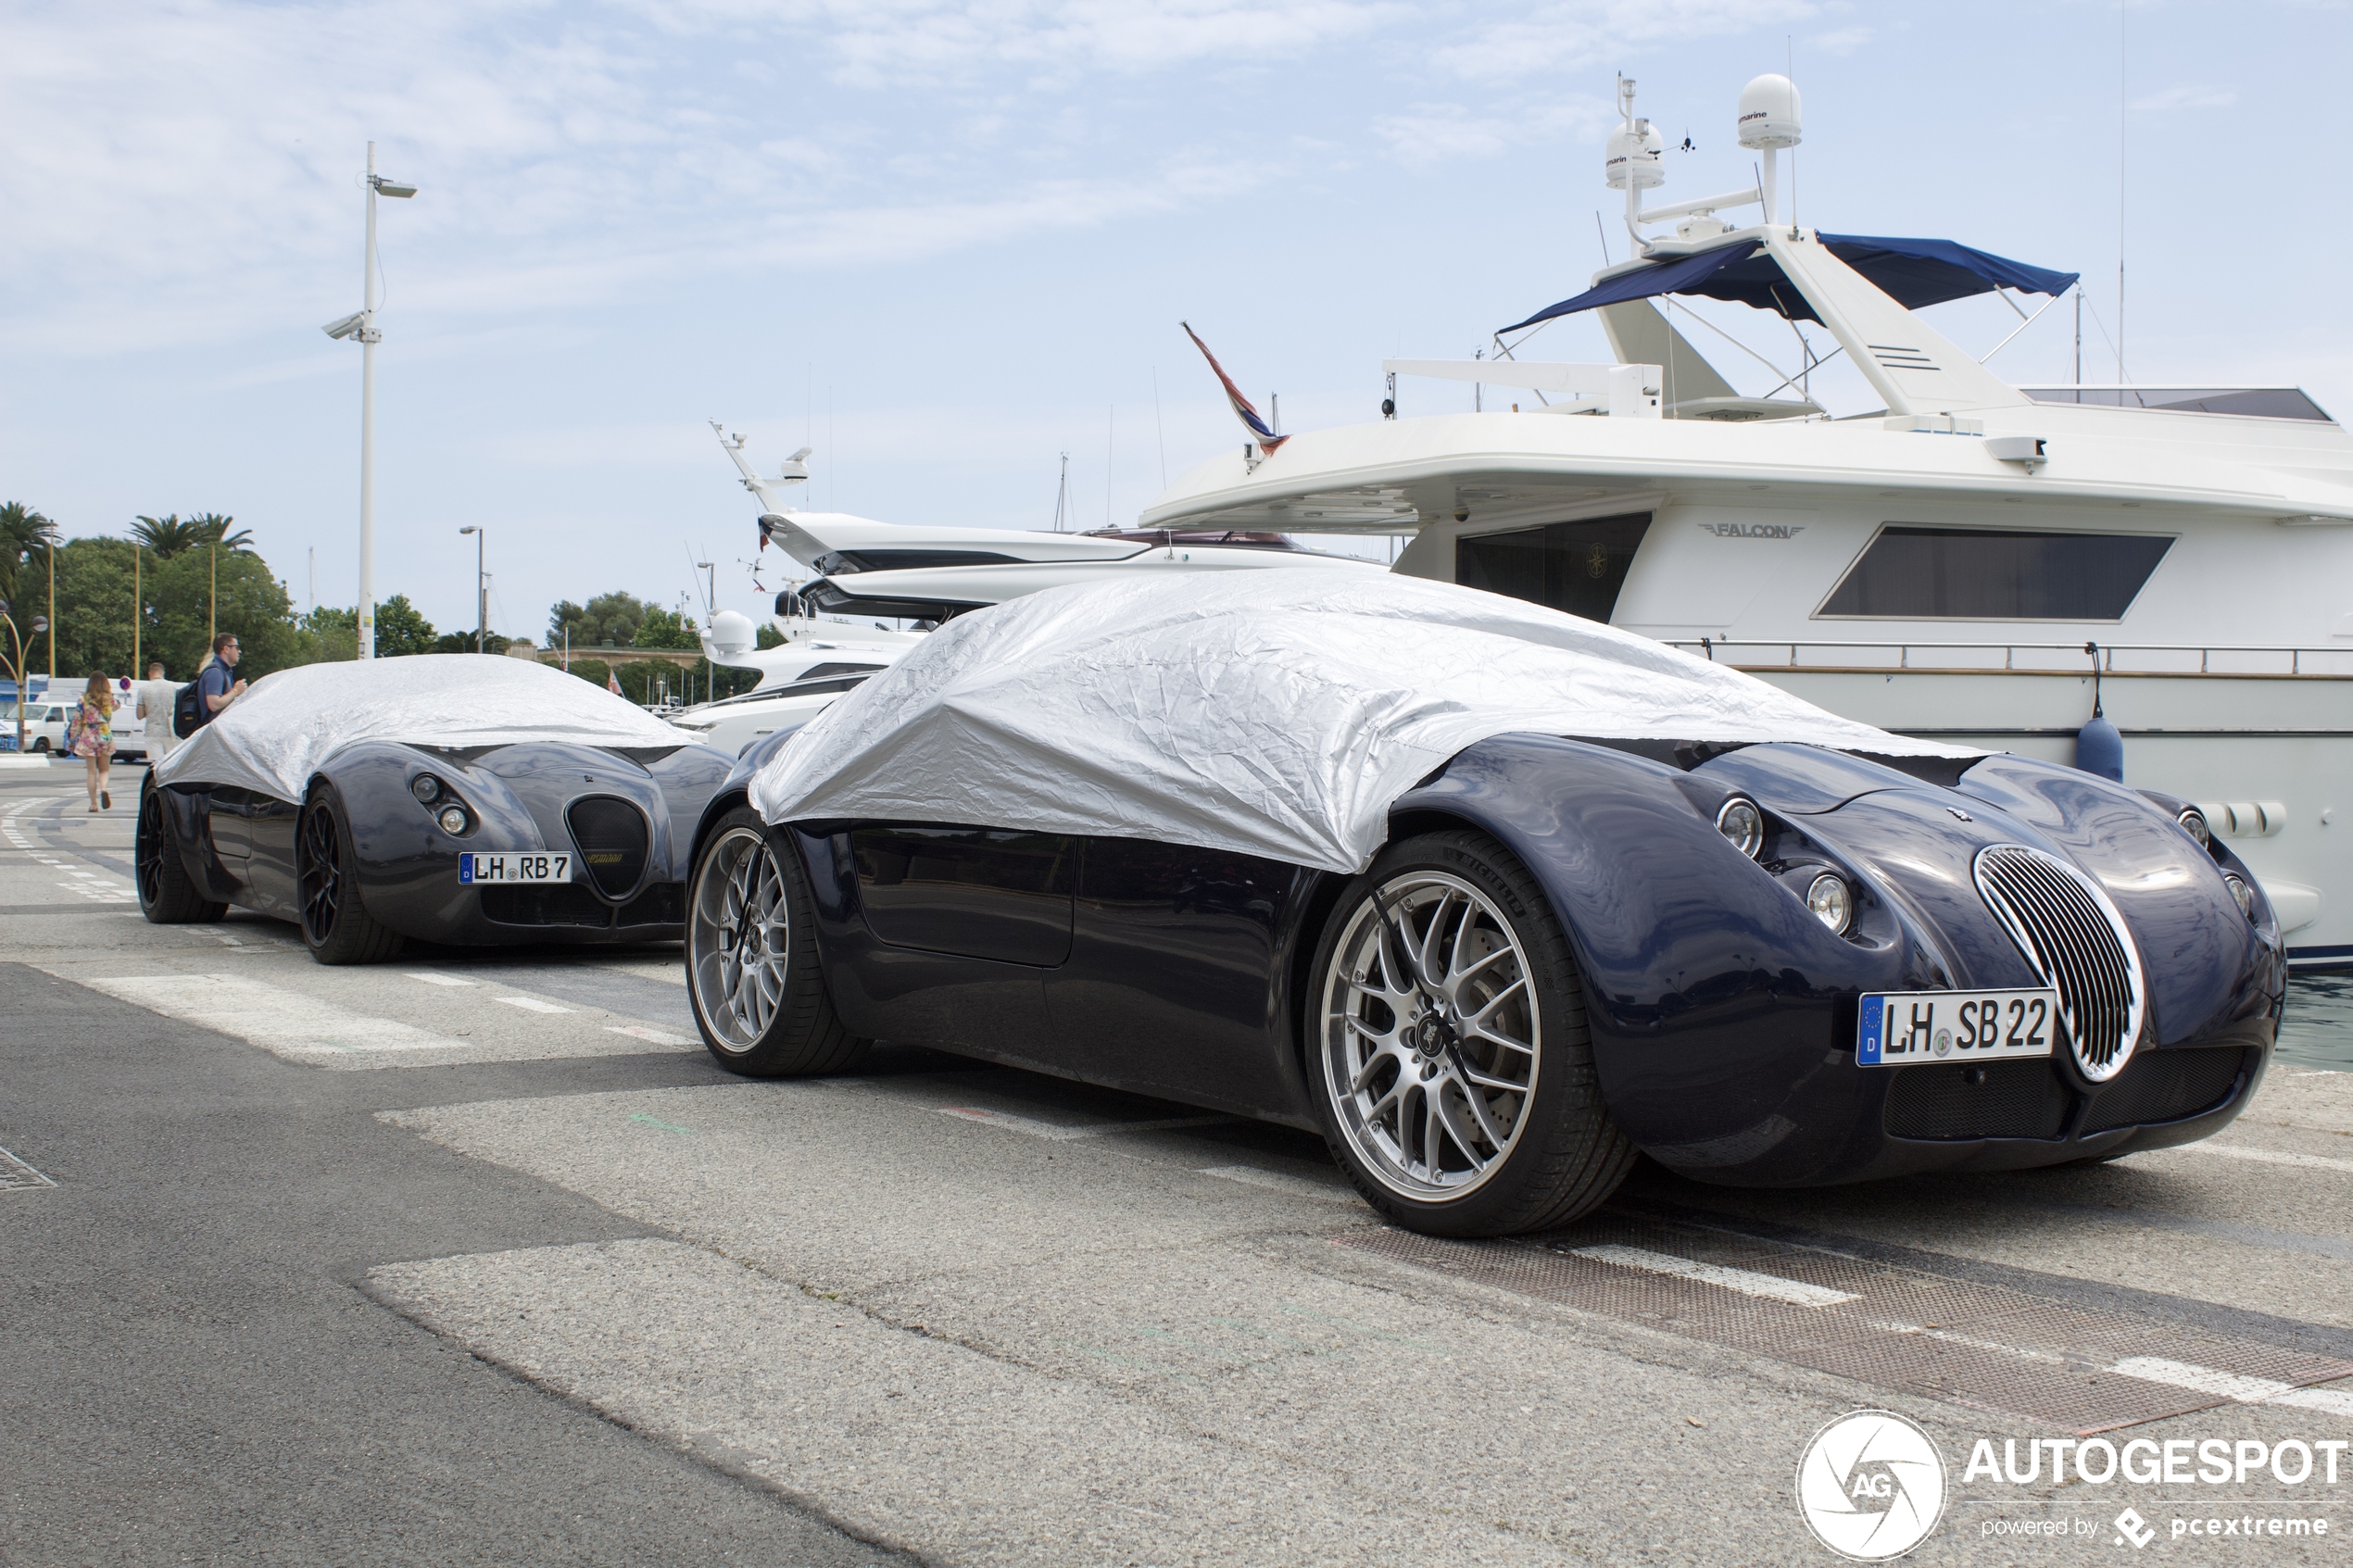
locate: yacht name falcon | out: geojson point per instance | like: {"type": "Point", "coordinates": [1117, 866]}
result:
{"type": "Point", "coordinates": [1940, 566]}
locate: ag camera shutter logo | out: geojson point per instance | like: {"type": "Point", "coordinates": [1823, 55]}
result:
{"type": "Point", "coordinates": [1871, 1486]}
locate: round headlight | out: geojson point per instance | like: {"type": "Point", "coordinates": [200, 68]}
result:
{"type": "Point", "coordinates": [425, 787]}
{"type": "Point", "coordinates": [2241, 895]}
{"type": "Point", "coordinates": [2194, 823]}
{"type": "Point", "coordinates": [453, 819]}
{"type": "Point", "coordinates": [1829, 900]}
{"type": "Point", "coordinates": [1741, 821]}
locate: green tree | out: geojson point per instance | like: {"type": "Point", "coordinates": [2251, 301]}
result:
{"type": "Point", "coordinates": [173, 534]}
{"type": "Point", "coordinates": [25, 540]}
{"type": "Point", "coordinates": [463, 642]}
{"type": "Point", "coordinates": [329, 634]}
{"type": "Point", "coordinates": [95, 611]}
{"type": "Point", "coordinates": [607, 620]}
{"type": "Point", "coordinates": [162, 538]}
{"type": "Point", "coordinates": [211, 528]}
{"type": "Point", "coordinates": [401, 628]}
{"type": "Point", "coordinates": [666, 629]}
{"type": "Point", "coordinates": [767, 637]}
{"type": "Point", "coordinates": [252, 602]}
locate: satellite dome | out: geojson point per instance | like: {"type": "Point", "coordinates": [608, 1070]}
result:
{"type": "Point", "coordinates": [732, 631]}
{"type": "Point", "coordinates": [1633, 152]}
{"type": "Point", "coordinates": [1769, 113]}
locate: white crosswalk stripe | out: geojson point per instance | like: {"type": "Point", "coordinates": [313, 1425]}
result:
{"type": "Point", "coordinates": [1771, 1288]}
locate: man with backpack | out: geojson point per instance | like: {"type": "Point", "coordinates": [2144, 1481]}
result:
{"type": "Point", "coordinates": [215, 687]}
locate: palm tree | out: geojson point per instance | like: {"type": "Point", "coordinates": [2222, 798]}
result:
{"type": "Point", "coordinates": [166, 536]}
{"type": "Point", "coordinates": [211, 528]}
{"type": "Point", "coordinates": [23, 533]}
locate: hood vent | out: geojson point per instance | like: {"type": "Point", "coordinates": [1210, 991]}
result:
{"type": "Point", "coordinates": [2069, 930]}
{"type": "Point", "coordinates": [612, 837]}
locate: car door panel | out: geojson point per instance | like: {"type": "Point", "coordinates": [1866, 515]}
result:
{"type": "Point", "coordinates": [980, 893]}
{"type": "Point", "coordinates": [232, 834]}
{"type": "Point", "coordinates": [912, 996]}
{"type": "Point", "coordinates": [1176, 982]}
{"type": "Point", "coordinates": [269, 830]}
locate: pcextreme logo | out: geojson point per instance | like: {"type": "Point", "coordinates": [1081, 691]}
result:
{"type": "Point", "coordinates": [1871, 1486]}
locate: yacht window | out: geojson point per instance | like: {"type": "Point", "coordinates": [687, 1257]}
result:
{"type": "Point", "coordinates": [841, 563]}
{"type": "Point", "coordinates": [1916, 573]}
{"type": "Point", "coordinates": [1578, 566]}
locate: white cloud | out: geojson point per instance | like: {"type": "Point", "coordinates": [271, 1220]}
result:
{"type": "Point", "coordinates": [1839, 41]}
{"type": "Point", "coordinates": [2185, 95]}
{"type": "Point", "coordinates": [1433, 134]}
{"type": "Point", "coordinates": [1594, 35]}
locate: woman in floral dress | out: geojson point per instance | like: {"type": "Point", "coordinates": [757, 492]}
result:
{"type": "Point", "coordinates": [93, 736]}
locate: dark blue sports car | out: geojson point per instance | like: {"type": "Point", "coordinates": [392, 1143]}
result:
{"type": "Point", "coordinates": [1760, 961]}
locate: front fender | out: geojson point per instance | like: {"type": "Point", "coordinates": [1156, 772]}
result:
{"type": "Point", "coordinates": [735, 790]}
{"type": "Point", "coordinates": [1722, 1012]}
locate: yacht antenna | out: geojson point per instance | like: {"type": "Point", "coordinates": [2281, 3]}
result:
{"type": "Point", "coordinates": [794, 471]}
{"type": "Point", "coordinates": [1061, 498]}
{"type": "Point", "coordinates": [2078, 343]}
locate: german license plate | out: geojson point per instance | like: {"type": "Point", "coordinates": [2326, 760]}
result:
{"type": "Point", "coordinates": [527, 867]}
{"type": "Point", "coordinates": [1899, 1028]}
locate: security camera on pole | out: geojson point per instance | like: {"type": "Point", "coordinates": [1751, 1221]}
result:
{"type": "Point", "coordinates": [362, 325]}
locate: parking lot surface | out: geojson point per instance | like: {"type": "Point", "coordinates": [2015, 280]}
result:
{"type": "Point", "coordinates": [475, 1257]}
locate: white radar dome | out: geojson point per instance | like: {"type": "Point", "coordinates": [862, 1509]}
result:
{"type": "Point", "coordinates": [732, 631]}
{"type": "Point", "coordinates": [1633, 153]}
{"type": "Point", "coordinates": [1769, 113]}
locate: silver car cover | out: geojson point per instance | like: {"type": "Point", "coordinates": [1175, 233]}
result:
{"type": "Point", "coordinates": [278, 735]}
{"type": "Point", "coordinates": [1270, 713]}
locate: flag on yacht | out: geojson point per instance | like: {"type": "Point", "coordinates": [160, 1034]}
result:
{"type": "Point", "coordinates": [1267, 439]}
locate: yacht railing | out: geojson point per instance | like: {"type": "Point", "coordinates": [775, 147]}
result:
{"type": "Point", "coordinates": [2055, 659]}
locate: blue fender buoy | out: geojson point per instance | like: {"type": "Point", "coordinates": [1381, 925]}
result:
{"type": "Point", "coordinates": [2099, 750]}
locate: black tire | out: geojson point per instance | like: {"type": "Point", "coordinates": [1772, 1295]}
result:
{"type": "Point", "coordinates": [41, 745]}
{"type": "Point", "coordinates": [168, 894]}
{"type": "Point", "coordinates": [761, 1014]}
{"type": "Point", "coordinates": [1560, 1155]}
{"type": "Point", "coordinates": [336, 924]}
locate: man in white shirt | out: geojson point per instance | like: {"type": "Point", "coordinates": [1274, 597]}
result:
{"type": "Point", "coordinates": [155, 695]}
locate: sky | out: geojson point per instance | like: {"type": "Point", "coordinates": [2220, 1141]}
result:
{"type": "Point", "coordinates": [947, 242]}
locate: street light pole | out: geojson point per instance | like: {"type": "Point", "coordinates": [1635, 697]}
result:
{"type": "Point", "coordinates": [481, 592]}
{"type": "Point", "coordinates": [362, 325]}
{"type": "Point", "coordinates": [16, 673]}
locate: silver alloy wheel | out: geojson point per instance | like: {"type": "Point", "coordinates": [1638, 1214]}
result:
{"type": "Point", "coordinates": [1429, 1036]}
{"type": "Point", "coordinates": [737, 938]}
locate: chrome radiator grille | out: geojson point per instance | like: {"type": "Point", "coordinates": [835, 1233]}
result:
{"type": "Point", "coordinates": [2077, 942]}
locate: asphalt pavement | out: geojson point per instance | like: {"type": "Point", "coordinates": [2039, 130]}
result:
{"type": "Point", "coordinates": [474, 1258]}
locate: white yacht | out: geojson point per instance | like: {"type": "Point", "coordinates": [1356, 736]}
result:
{"type": "Point", "coordinates": [867, 573]}
{"type": "Point", "coordinates": [1972, 560]}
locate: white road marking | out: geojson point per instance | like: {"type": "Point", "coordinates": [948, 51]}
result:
{"type": "Point", "coordinates": [673, 973]}
{"type": "Point", "coordinates": [2233, 1385]}
{"type": "Point", "coordinates": [656, 1036]}
{"type": "Point", "coordinates": [279, 1021]}
{"type": "Point", "coordinates": [1038, 1129]}
{"type": "Point", "coordinates": [1949, 1338]}
{"type": "Point", "coordinates": [2268, 1156]}
{"type": "Point", "coordinates": [531, 1004]}
{"type": "Point", "coordinates": [1770, 1288]}
{"type": "Point", "coordinates": [432, 979]}
{"type": "Point", "coordinates": [1276, 1181]}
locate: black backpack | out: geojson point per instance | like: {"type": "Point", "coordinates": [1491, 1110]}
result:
{"type": "Point", "coordinates": [188, 713]}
